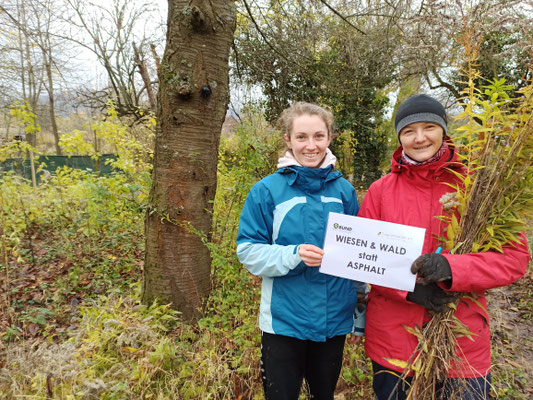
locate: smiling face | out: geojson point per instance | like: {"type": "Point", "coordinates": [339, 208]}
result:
{"type": "Point", "coordinates": [309, 139]}
{"type": "Point", "coordinates": [421, 140]}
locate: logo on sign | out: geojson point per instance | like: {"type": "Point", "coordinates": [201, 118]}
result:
{"type": "Point", "coordinates": [396, 237]}
{"type": "Point", "coordinates": [341, 227]}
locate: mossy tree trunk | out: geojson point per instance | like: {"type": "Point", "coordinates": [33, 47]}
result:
{"type": "Point", "coordinates": [192, 103]}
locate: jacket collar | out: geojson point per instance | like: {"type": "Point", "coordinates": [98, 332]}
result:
{"type": "Point", "coordinates": [288, 159]}
{"type": "Point", "coordinates": [309, 177]}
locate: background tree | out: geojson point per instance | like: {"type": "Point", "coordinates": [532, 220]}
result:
{"type": "Point", "coordinates": [45, 12]}
{"type": "Point", "coordinates": [353, 56]}
{"type": "Point", "coordinates": [192, 103]}
{"type": "Point", "coordinates": [502, 57]}
{"type": "Point", "coordinates": [505, 30]}
{"type": "Point", "coordinates": [145, 75]}
{"type": "Point", "coordinates": [109, 32]}
{"type": "Point", "coordinates": [35, 55]}
{"type": "Point", "coordinates": [310, 51]}
{"type": "Point", "coordinates": [24, 66]}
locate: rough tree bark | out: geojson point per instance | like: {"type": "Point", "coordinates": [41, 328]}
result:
{"type": "Point", "coordinates": [192, 102]}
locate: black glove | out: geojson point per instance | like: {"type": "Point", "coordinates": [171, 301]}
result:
{"type": "Point", "coordinates": [431, 267]}
{"type": "Point", "coordinates": [430, 296]}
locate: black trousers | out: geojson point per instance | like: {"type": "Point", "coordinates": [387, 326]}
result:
{"type": "Point", "coordinates": [286, 361]}
{"type": "Point", "coordinates": [388, 386]}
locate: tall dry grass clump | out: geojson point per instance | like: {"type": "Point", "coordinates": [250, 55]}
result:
{"type": "Point", "coordinates": [489, 209]}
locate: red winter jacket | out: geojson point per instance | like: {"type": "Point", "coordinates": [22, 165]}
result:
{"type": "Point", "coordinates": [410, 195]}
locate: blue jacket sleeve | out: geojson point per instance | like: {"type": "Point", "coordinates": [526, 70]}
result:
{"type": "Point", "coordinates": [255, 249]}
{"type": "Point", "coordinates": [360, 310]}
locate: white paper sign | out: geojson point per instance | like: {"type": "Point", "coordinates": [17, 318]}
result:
{"type": "Point", "coordinates": [371, 251]}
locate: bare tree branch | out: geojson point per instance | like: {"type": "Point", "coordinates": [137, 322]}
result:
{"type": "Point", "coordinates": [337, 13]}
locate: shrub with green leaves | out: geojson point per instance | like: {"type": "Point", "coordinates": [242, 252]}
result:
{"type": "Point", "coordinates": [244, 159]}
{"type": "Point", "coordinates": [131, 145]}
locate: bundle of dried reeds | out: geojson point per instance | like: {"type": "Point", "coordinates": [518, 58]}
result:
{"type": "Point", "coordinates": [489, 209]}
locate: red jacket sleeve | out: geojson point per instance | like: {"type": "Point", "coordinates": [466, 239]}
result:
{"type": "Point", "coordinates": [477, 272]}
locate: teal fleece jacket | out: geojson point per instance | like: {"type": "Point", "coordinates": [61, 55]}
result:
{"type": "Point", "coordinates": [282, 211]}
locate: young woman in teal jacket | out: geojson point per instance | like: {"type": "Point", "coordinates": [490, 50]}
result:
{"type": "Point", "coordinates": [304, 314]}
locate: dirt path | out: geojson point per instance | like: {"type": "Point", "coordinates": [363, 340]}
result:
{"type": "Point", "coordinates": [511, 311]}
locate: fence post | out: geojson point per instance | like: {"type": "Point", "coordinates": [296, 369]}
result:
{"type": "Point", "coordinates": [33, 177]}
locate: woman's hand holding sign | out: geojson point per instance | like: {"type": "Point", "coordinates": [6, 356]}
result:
{"type": "Point", "coordinates": [310, 254]}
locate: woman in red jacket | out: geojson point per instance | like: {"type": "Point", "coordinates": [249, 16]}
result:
{"type": "Point", "coordinates": [410, 194]}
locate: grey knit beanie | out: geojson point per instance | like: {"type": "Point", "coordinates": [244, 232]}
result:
{"type": "Point", "coordinates": [420, 108]}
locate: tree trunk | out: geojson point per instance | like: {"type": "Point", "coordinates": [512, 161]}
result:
{"type": "Point", "coordinates": [192, 101]}
{"type": "Point", "coordinates": [143, 70]}
{"type": "Point", "coordinates": [47, 57]}
{"type": "Point", "coordinates": [154, 54]}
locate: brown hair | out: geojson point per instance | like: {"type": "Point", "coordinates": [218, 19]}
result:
{"type": "Point", "coordinates": [287, 117]}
